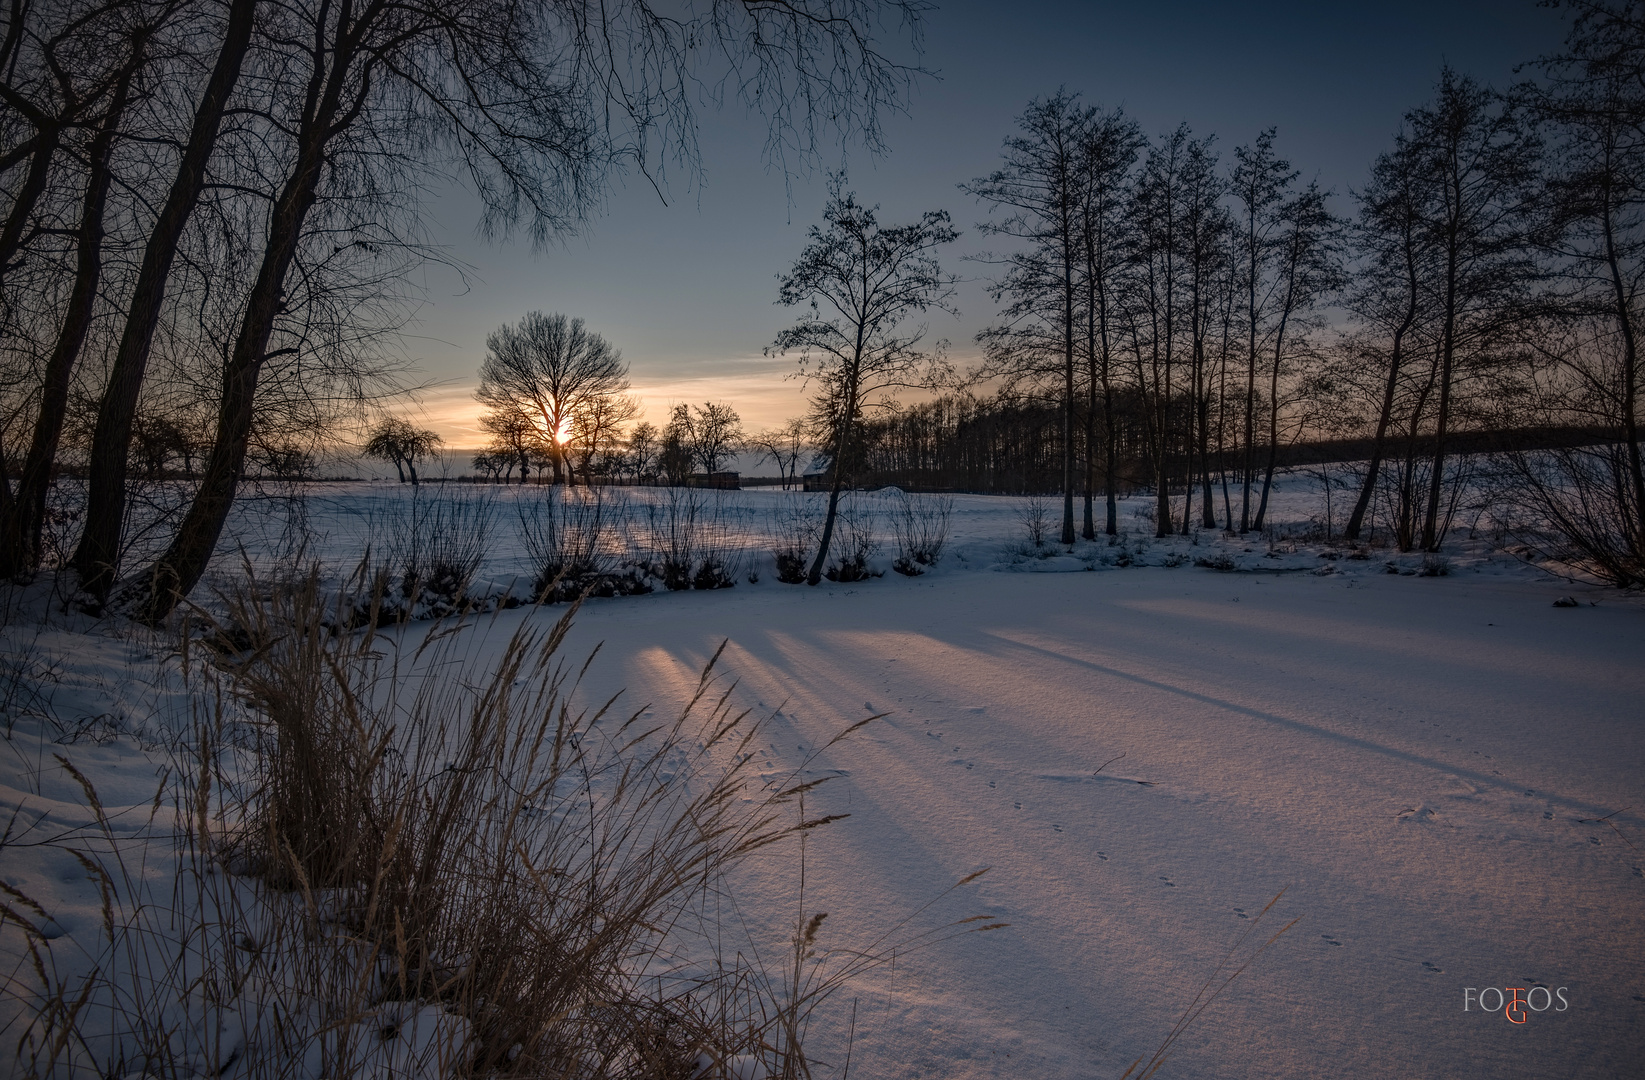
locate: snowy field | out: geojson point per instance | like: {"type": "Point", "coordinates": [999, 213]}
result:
{"type": "Point", "coordinates": [1444, 775]}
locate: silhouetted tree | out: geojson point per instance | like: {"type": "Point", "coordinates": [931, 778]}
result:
{"type": "Point", "coordinates": [861, 282]}
{"type": "Point", "coordinates": [395, 440]}
{"type": "Point", "coordinates": [553, 369]}
{"type": "Point", "coordinates": [785, 446]}
{"type": "Point", "coordinates": [1040, 188]}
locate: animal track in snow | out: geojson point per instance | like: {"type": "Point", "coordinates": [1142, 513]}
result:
{"type": "Point", "coordinates": [1169, 883]}
{"type": "Point", "coordinates": [1331, 940]}
{"type": "Point", "coordinates": [1431, 969]}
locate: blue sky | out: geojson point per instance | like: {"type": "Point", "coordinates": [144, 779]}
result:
{"type": "Point", "coordinates": [686, 289]}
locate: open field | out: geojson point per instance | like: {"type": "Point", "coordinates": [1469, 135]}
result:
{"type": "Point", "coordinates": [1443, 775]}
{"type": "Point", "coordinates": [1416, 762]}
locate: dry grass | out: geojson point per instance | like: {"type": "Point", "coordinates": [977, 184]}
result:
{"type": "Point", "coordinates": [410, 854]}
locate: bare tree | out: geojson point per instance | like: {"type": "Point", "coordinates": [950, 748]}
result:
{"type": "Point", "coordinates": [1480, 157]}
{"type": "Point", "coordinates": [675, 447]}
{"type": "Point", "coordinates": [513, 437]}
{"type": "Point", "coordinates": [1587, 502]}
{"type": "Point", "coordinates": [1261, 184]}
{"type": "Point", "coordinates": [536, 102]}
{"type": "Point", "coordinates": [1156, 291]}
{"type": "Point", "coordinates": [97, 556]}
{"type": "Point", "coordinates": [642, 451]}
{"type": "Point", "coordinates": [597, 429]}
{"type": "Point", "coordinates": [22, 517]}
{"type": "Point", "coordinates": [785, 446]}
{"type": "Point", "coordinates": [1388, 298]}
{"type": "Point", "coordinates": [716, 434]}
{"type": "Point", "coordinates": [398, 441]}
{"type": "Point", "coordinates": [1040, 187]}
{"type": "Point", "coordinates": [1307, 270]}
{"type": "Point", "coordinates": [553, 369]}
{"type": "Point", "coordinates": [1107, 155]}
{"type": "Point", "coordinates": [861, 282]}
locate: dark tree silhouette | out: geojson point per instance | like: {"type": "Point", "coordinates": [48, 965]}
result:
{"type": "Point", "coordinates": [553, 369]}
{"type": "Point", "coordinates": [861, 282]}
{"type": "Point", "coordinates": [402, 443]}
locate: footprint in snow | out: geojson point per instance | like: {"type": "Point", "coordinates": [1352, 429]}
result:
{"type": "Point", "coordinates": [1547, 815]}
{"type": "Point", "coordinates": [1431, 969]}
{"type": "Point", "coordinates": [1168, 882]}
{"type": "Point", "coordinates": [1241, 913]}
{"type": "Point", "coordinates": [1104, 857]}
{"type": "Point", "coordinates": [1056, 828]}
{"type": "Point", "coordinates": [1638, 872]}
{"type": "Point", "coordinates": [1593, 840]}
{"type": "Point", "coordinates": [1017, 805]}
{"type": "Point", "coordinates": [990, 783]}
{"type": "Point", "coordinates": [1331, 940]}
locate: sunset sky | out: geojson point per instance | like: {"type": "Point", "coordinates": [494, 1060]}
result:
{"type": "Point", "coordinates": [686, 289]}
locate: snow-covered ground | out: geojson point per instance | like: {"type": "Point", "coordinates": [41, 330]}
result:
{"type": "Point", "coordinates": [1445, 775]}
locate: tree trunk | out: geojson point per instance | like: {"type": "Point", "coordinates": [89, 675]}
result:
{"type": "Point", "coordinates": [177, 571]}
{"type": "Point", "coordinates": [1068, 377]}
{"type": "Point", "coordinates": [1250, 390]}
{"type": "Point", "coordinates": [1273, 420]}
{"type": "Point", "coordinates": [1357, 519]}
{"type": "Point", "coordinates": [21, 528]}
{"type": "Point", "coordinates": [1208, 507]}
{"type": "Point", "coordinates": [1630, 378]}
{"type": "Point", "coordinates": [97, 556]}
{"type": "Point", "coordinates": [1162, 501]}
{"type": "Point", "coordinates": [841, 445]}
{"type": "Point", "coordinates": [1436, 479]}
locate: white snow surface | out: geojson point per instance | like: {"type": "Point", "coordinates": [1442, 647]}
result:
{"type": "Point", "coordinates": [1444, 777]}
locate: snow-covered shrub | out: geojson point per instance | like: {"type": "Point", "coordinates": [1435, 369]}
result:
{"type": "Point", "coordinates": [792, 530]}
{"type": "Point", "coordinates": [436, 543]}
{"type": "Point", "coordinates": [853, 542]}
{"type": "Point", "coordinates": [1435, 566]}
{"type": "Point", "coordinates": [1220, 563]}
{"type": "Point", "coordinates": [673, 534]}
{"type": "Point", "coordinates": [694, 539]}
{"type": "Point", "coordinates": [574, 538]}
{"type": "Point", "coordinates": [921, 526]}
{"type": "Point", "coordinates": [1035, 517]}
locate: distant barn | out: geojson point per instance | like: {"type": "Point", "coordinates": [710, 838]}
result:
{"type": "Point", "coordinates": [723, 481]}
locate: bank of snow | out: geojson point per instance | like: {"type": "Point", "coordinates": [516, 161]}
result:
{"type": "Point", "coordinates": [1445, 775]}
